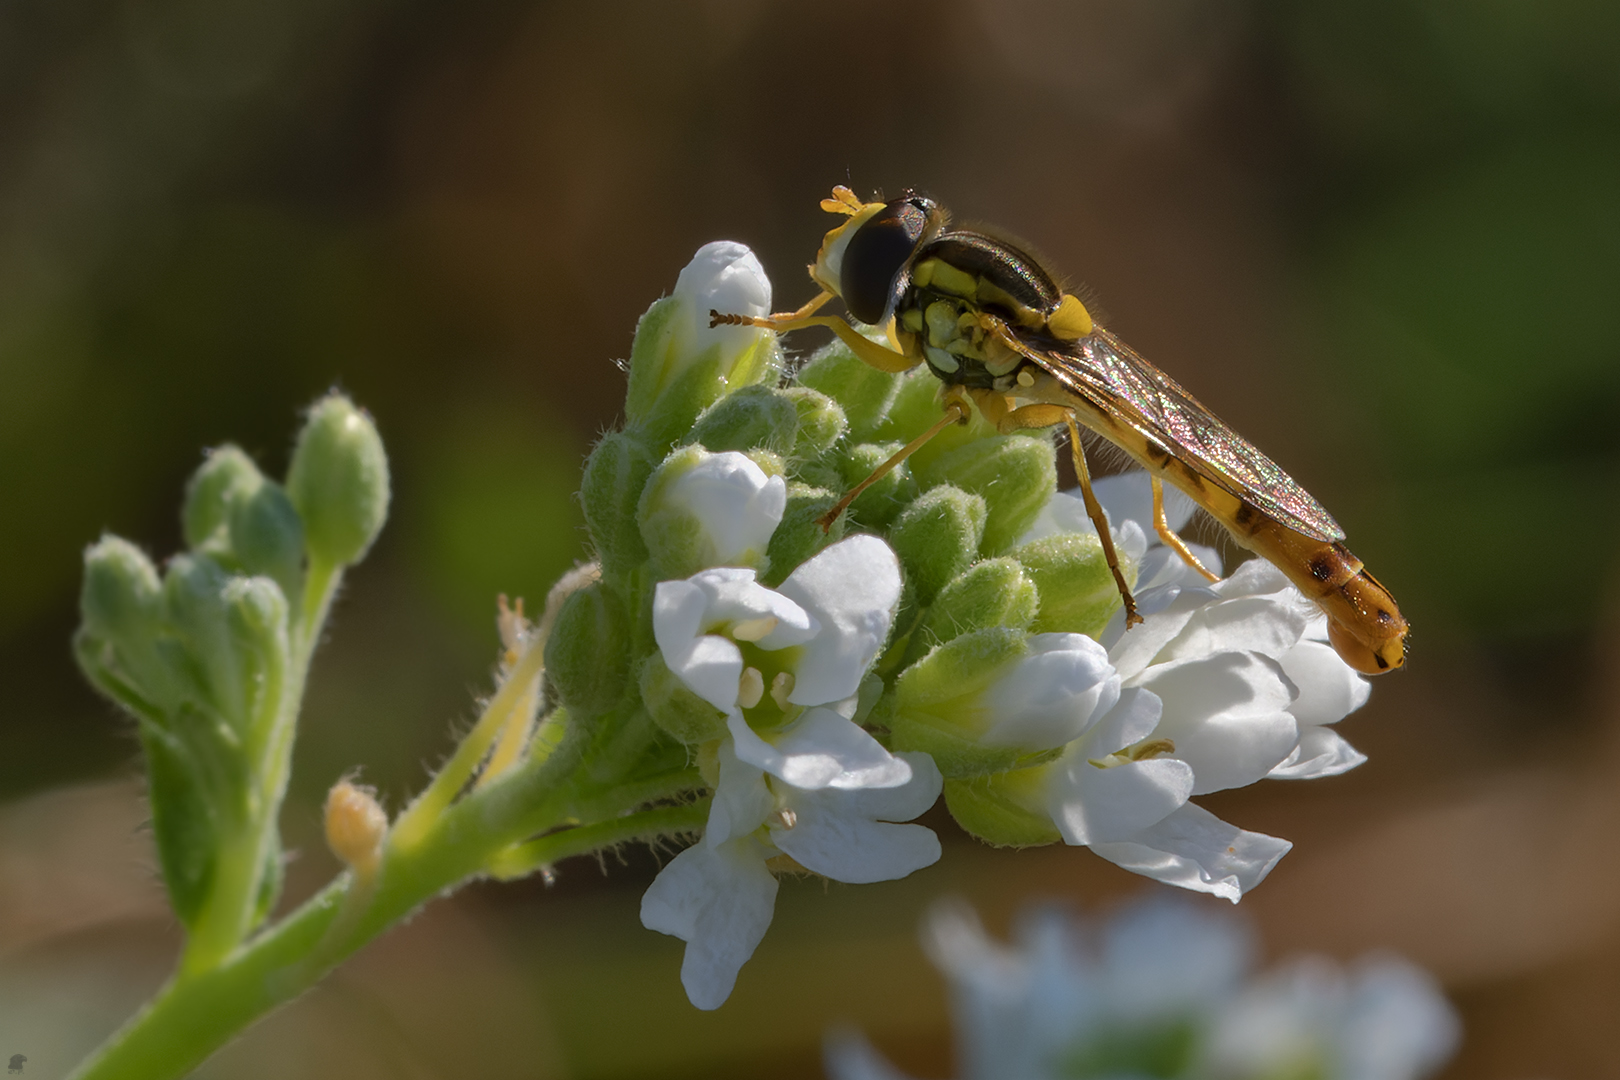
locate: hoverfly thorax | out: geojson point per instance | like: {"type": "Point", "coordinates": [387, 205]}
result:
{"type": "Point", "coordinates": [865, 261]}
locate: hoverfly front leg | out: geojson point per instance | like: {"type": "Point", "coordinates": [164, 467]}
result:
{"type": "Point", "coordinates": [867, 351]}
{"type": "Point", "coordinates": [1161, 525]}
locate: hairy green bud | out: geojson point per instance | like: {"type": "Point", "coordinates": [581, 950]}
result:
{"type": "Point", "coordinates": [267, 535]}
{"type": "Point", "coordinates": [753, 417]}
{"type": "Point", "coordinates": [821, 421]}
{"type": "Point", "coordinates": [675, 708]}
{"type": "Point", "coordinates": [339, 481]}
{"type": "Point", "coordinates": [1078, 594]}
{"type": "Point", "coordinates": [800, 535]}
{"type": "Point", "coordinates": [879, 504]}
{"type": "Point", "coordinates": [122, 598]}
{"type": "Point", "coordinates": [1004, 809]}
{"type": "Point", "coordinates": [211, 492]}
{"type": "Point", "coordinates": [995, 592]}
{"type": "Point", "coordinates": [588, 652]}
{"type": "Point", "coordinates": [864, 392]}
{"type": "Point", "coordinates": [1016, 475]}
{"type": "Point", "coordinates": [615, 474]}
{"type": "Point", "coordinates": [938, 706]}
{"type": "Point", "coordinates": [937, 538]}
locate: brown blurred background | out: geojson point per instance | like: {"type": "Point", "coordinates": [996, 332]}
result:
{"type": "Point", "coordinates": [1381, 239]}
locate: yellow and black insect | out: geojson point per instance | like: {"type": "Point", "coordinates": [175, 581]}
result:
{"type": "Point", "coordinates": [990, 322]}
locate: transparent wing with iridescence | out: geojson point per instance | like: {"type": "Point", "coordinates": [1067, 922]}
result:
{"type": "Point", "coordinates": [1105, 369]}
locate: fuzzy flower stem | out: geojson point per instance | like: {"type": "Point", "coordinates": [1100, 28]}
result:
{"type": "Point", "coordinates": [525, 859]}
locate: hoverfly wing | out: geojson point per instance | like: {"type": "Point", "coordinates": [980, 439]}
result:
{"type": "Point", "coordinates": [1105, 369]}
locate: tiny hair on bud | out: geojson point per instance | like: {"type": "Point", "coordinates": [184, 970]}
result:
{"type": "Point", "coordinates": [355, 825]}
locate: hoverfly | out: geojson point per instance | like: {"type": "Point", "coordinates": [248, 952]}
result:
{"type": "Point", "coordinates": [990, 322]}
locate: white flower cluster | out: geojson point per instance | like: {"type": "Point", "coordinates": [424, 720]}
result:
{"type": "Point", "coordinates": [1223, 685]}
{"type": "Point", "coordinates": [813, 787]}
{"type": "Point", "coordinates": [1164, 989]}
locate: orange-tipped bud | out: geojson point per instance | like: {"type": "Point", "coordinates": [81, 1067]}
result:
{"type": "Point", "coordinates": [355, 825]}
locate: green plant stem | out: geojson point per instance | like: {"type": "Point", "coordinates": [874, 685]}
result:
{"type": "Point", "coordinates": [199, 1011]}
{"type": "Point", "coordinates": [524, 859]}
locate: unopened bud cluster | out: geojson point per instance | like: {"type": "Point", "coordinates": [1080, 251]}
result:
{"type": "Point", "coordinates": [208, 654]}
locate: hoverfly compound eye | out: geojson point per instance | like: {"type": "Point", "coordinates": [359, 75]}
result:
{"type": "Point", "coordinates": [874, 263]}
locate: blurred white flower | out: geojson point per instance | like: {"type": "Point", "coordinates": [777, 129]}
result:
{"type": "Point", "coordinates": [811, 784]}
{"type": "Point", "coordinates": [1382, 1019]}
{"type": "Point", "coordinates": [1160, 990]}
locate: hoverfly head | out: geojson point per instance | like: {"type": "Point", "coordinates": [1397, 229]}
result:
{"type": "Point", "coordinates": [864, 261]}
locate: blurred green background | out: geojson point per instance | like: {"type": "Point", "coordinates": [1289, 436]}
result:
{"type": "Point", "coordinates": [1382, 240]}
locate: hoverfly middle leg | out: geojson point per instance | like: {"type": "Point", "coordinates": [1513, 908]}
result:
{"type": "Point", "coordinates": [996, 409]}
{"type": "Point", "coordinates": [1161, 525]}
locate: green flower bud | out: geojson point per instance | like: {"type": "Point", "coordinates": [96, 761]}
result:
{"type": "Point", "coordinates": [185, 822]}
{"type": "Point", "coordinates": [1016, 474]}
{"type": "Point", "coordinates": [675, 708]}
{"type": "Point", "coordinates": [267, 535]}
{"type": "Point", "coordinates": [799, 535]}
{"type": "Point", "coordinates": [821, 421]}
{"type": "Point", "coordinates": [864, 392]}
{"type": "Point", "coordinates": [211, 492]}
{"type": "Point", "coordinates": [881, 503]}
{"type": "Point", "coordinates": [995, 592]}
{"type": "Point", "coordinates": [122, 599]}
{"type": "Point", "coordinates": [937, 538]}
{"type": "Point", "coordinates": [679, 365]}
{"type": "Point", "coordinates": [615, 474]}
{"type": "Point", "coordinates": [588, 652]}
{"type": "Point", "coordinates": [753, 417]}
{"type": "Point", "coordinates": [937, 706]}
{"type": "Point", "coordinates": [339, 481]}
{"type": "Point", "coordinates": [1003, 810]}
{"type": "Point", "coordinates": [194, 596]}
{"type": "Point", "coordinates": [256, 613]}
{"type": "Point", "coordinates": [1078, 594]}
{"type": "Point", "coordinates": [917, 407]}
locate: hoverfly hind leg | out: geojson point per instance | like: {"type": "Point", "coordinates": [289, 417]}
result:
{"type": "Point", "coordinates": [1161, 525]}
{"type": "Point", "coordinates": [1094, 511]}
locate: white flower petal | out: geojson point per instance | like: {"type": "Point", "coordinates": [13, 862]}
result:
{"type": "Point", "coordinates": [1321, 752]}
{"type": "Point", "coordinates": [723, 276]}
{"type": "Point", "coordinates": [742, 800]}
{"type": "Point", "coordinates": [1130, 721]}
{"type": "Point", "coordinates": [836, 834]}
{"type": "Point", "coordinates": [1268, 625]}
{"type": "Point", "coordinates": [1091, 805]}
{"type": "Point", "coordinates": [1166, 611]}
{"type": "Point", "coordinates": [737, 504]}
{"type": "Point", "coordinates": [851, 589]}
{"type": "Point", "coordinates": [821, 749]}
{"type": "Point", "coordinates": [1329, 689]}
{"type": "Point", "coordinates": [735, 597]}
{"type": "Point", "coordinates": [1050, 697]}
{"type": "Point", "coordinates": [1228, 716]}
{"type": "Point", "coordinates": [719, 901]}
{"type": "Point", "coordinates": [1196, 850]}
